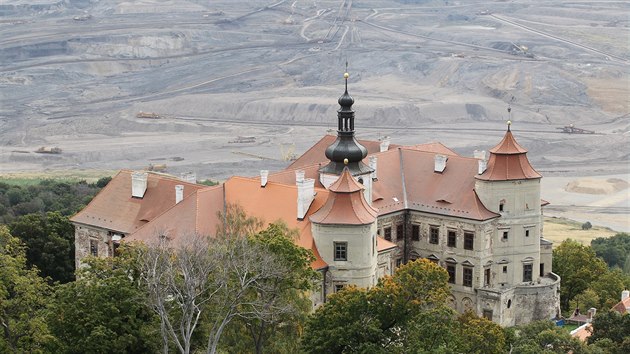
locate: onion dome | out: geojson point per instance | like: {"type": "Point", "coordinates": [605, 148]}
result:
{"type": "Point", "coordinates": [346, 204]}
{"type": "Point", "coordinates": [346, 146]}
{"type": "Point", "coordinates": [508, 161]}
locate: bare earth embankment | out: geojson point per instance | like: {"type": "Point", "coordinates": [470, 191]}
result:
{"type": "Point", "coordinates": [76, 74]}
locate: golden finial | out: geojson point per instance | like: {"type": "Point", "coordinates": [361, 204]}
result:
{"type": "Point", "coordinates": [509, 123]}
{"type": "Point", "coordinates": [345, 161]}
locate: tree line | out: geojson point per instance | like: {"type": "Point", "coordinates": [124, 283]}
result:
{"type": "Point", "coordinates": [247, 290]}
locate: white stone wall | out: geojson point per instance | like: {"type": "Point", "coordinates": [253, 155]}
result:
{"type": "Point", "coordinates": [360, 268]}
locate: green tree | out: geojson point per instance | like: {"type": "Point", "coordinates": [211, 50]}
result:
{"type": "Point", "coordinates": [608, 286]}
{"type": "Point", "coordinates": [378, 319]}
{"type": "Point", "coordinates": [578, 266]}
{"type": "Point", "coordinates": [614, 250]}
{"type": "Point", "coordinates": [479, 335]}
{"type": "Point", "coordinates": [285, 296]}
{"type": "Point", "coordinates": [612, 326]}
{"type": "Point", "coordinates": [544, 337]}
{"type": "Point", "coordinates": [23, 296]}
{"type": "Point", "coordinates": [104, 310]}
{"type": "Point", "coordinates": [49, 239]}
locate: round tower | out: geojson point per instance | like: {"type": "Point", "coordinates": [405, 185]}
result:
{"type": "Point", "coordinates": [344, 231]}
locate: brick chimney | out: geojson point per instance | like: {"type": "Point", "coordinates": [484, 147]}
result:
{"type": "Point", "coordinates": [179, 193]}
{"type": "Point", "coordinates": [306, 193]}
{"type": "Point", "coordinates": [264, 174]}
{"type": "Point", "coordinates": [440, 163]}
{"type": "Point", "coordinates": [138, 184]}
{"type": "Point", "coordinates": [385, 144]}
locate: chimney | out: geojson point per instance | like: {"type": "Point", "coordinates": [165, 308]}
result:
{"type": "Point", "coordinates": [483, 164]}
{"type": "Point", "coordinates": [440, 163]}
{"type": "Point", "coordinates": [138, 184]}
{"type": "Point", "coordinates": [306, 194]}
{"type": "Point", "coordinates": [385, 144]}
{"type": "Point", "coordinates": [189, 177]}
{"type": "Point", "coordinates": [299, 176]}
{"type": "Point", "coordinates": [373, 161]}
{"type": "Point", "coordinates": [480, 155]}
{"type": "Point", "coordinates": [179, 193]}
{"type": "Point", "coordinates": [625, 294]}
{"type": "Point", "coordinates": [591, 313]}
{"type": "Point", "coordinates": [263, 177]}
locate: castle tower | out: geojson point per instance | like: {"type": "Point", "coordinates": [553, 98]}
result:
{"type": "Point", "coordinates": [344, 231]}
{"type": "Point", "coordinates": [346, 147]}
{"type": "Point", "coordinates": [510, 186]}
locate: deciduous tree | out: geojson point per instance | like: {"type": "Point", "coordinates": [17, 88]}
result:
{"type": "Point", "coordinates": [23, 295]}
{"type": "Point", "coordinates": [578, 266]}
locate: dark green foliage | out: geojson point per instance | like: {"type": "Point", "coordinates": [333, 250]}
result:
{"type": "Point", "coordinates": [615, 329]}
{"type": "Point", "coordinates": [23, 296]}
{"type": "Point", "coordinates": [587, 226]}
{"type": "Point", "coordinates": [543, 337]}
{"type": "Point", "coordinates": [381, 319]}
{"type": "Point", "coordinates": [49, 239]}
{"type": "Point", "coordinates": [614, 250]}
{"type": "Point", "coordinates": [49, 195]}
{"type": "Point", "coordinates": [103, 181]}
{"type": "Point", "coordinates": [208, 182]}
{"type": "Point", "coordinates": [104, 311]}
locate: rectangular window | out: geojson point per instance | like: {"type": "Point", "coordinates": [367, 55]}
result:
{"type": "Point", "coordinates": [526, 233]}
{"type": "Point", "coordinates": [504, 269]}
{"type": "Point", "coordinates": [452, 239]}
{"type": "Point", "coordinates": [527, 272]}
{"type": "Point", "coordinates": [434, 235]}
{"type": "Point", "coordinates": [501, 206]}
{"type": "Point", "coordinates": [487, 314]}
{"type": "Point", "coordinates": [450, 268]}
{"type": "Point", "coordinates": [505, 235]}
{"type": "Point", "coordinates": [468, 277]}
{"type": "Point", "coordinates": [341, 251]}
{"type": "Point", "coordinates": [469, 241]}
{"type": "Point", "coordinates": [399, 232]}
{"type": "Point", "coordinates": [542, 269]}
{"type": "Point", "coordinates": [94, 248]}
{"type": "Point", "coordinates": [486, 277]}
{"type": "Point", "coordinates": [388, 233]}
{"type": "Point", "coordinates": [415, 232]}
{"type": "Point", "coordinates": [398, 262]}
{"type": "Point", "coordinates": [338, 287]}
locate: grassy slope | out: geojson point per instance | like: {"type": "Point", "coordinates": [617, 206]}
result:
{"type": "Point", "coordinates": [558, 229]}
{"type": "Point", "coordinates": [32, 178]}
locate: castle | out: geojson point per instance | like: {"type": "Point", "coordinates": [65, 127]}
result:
{"type": "Point", "coordinates": [364, 208]}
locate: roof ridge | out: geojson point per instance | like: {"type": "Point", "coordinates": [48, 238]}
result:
{"type": "Point", "coordinates": [108, 185]}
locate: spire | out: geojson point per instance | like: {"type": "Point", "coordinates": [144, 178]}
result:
{"type": "Point", "coordinates": [346, 146]}
{"type": "Point", "coordinates": [508, 161]}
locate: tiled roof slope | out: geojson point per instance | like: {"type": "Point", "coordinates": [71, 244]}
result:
{"type": "Point", "coordinates": [508, 161]}
{"type": "Point", "coordinates": [345, 204]}
{"type": "Point", "coordinates": [316, 154]}
{"type": "Point", "coordinates": [622, 306]}
{"type": "Point", "coordinates": [114, 208]}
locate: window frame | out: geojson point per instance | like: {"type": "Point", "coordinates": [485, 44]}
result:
{"type": "Point", "coordinates": [338, 256]}
{"type": "Point", "coordinates": [505, 236]}
{"type": "Point", "coordinates": [93, 247]}
{"type": "Point", "coordinates": [468, 277]}
{"type": "Point", "coordinates": [387, 233]}
{"type": "Point", "coordinates": [528, 272]}
{"type": "Point", "coordinates": [469, 241]}
{"type": "Point", "coordinates": [451, 235]}
{"type": "Point", "coordinates": [451, 277]}
{"type": "Point", "coordinates": [434, 235]}
{"type": "Point", "coordinates": [415, 232]}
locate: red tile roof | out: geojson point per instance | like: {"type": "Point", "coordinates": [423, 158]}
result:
{"type": "Point", "coordinates": [345, 204]}
{"type": "Point", "coordinates": [622, 306]}
{"type": "Point", "coordinates": [508, 161]}
{"type": "Point", "coordinates": [114, 208]}
{"type": "Point", "coordinates": [316, 155]}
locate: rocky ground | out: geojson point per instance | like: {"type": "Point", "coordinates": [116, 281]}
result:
{"type": "Point", "coordinates": [74, 74]}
